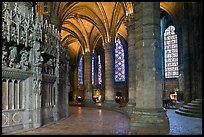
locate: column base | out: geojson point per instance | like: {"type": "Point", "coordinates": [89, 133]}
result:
{"type": "Point", "coordinates": [37, 121]}
{"type": "Point", "coordinates": [149, 123]}
{"type": "Point", "coordinates": [56, 114]}
{"type": "Point", "coordinates": [129, 108]}
{"type": "Point", "coordinates": [109, 104]}
{"type": "Point", "coordinates": [89, 103]}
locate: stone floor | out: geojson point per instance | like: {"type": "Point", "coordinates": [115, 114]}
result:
{"type": "Point", "coordinates": [93, 121]}
{"type": "Point", "coordinates": [183, 125]}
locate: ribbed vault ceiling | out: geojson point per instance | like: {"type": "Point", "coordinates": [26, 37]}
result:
{"type": "Point", "coordinates": [84, 25]}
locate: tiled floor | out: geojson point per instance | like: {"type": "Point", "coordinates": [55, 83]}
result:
{"type": "Point", "coordinates": [93, 121]}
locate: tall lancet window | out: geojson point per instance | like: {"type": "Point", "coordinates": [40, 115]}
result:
{"type": "Point", "coordinates": [171, 53]}
{"type": "Point", "coordinates": [80, 71]}
{"type": "Point", "coordinates": [92, 70]}
{"type": "Point", "coordinates": [99, 70]}
{"type": "Point", "coordinates": [119, 61]}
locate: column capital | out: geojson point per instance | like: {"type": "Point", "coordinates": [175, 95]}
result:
{"type": "Point", "coordinates": [108, 46]}
{"type": "Point", "coordinates": [129, 20]}
{"type": "Point", "coordinates": [87, 54]}
{"type": "Point", "coordinates": [130, 23]}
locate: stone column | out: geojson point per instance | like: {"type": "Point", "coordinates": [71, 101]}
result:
{"type": "Point", "coordinates": [109, 76]}
{"type": "Point", "coordinates": [180, 84]}
{"type": "Point", "coordinates": [56, 109]}
{"type": "Point", "coordinates": [148, 116]}
{"type": "Point", "coordinates": [129, 21]}
{"type": "Point", "coordinates": [12, 94]}
{"type": "Point", "coordinates": [186, 58]}
{"type": "Point", "coordinates": [87, 78]}
{"type": "Point", "coordinates": [67, 89]}
{"type": "Point", "coordinates": [31, 115]}
{"type": "Point", "coordinates": [75, 92]}
{"type": "Point", "coordinates": [18, 95]}
{"type": "Point", "coordinates": [7, 95]}
{"type": "Point", "coordinates": [37, 85]}
{"type": "Point", "coordinates": [37, 117]}
{"type": "Point", "coordinates": [194, 48]}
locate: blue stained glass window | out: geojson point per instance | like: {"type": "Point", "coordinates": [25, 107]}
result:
{"type": "Point", "coordinates": [92, 70]}
{"type": "Point", "coordinates": [119, 62]}
{"type": "Point", "coordinates": [99, 70]}
{"type": "Point", "coordinates": [171, 53]}
{"type": "Point", "coordinates": [80, 71]}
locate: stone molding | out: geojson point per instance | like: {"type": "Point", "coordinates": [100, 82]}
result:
{"type": "Point", "coordinates": [15, 73]}
{"type": "Point", "coordinates": [48, 78]}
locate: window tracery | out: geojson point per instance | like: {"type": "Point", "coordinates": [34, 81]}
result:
{"type": "Point", "coordinates": [99, 70]}
{"type": "Point", "coordinates": [171, 53]}
{"type": "Point", "coordinates": [80, 71]}
{"type": "Point", "coordinates": [92, 70]}
{"type": "Point", "coordinates": [119, 61]}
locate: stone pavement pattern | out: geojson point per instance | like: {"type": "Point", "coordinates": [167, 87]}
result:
{"type": "Point", "coordinates": [86, 121]}
{"type": "Point", "coordinates": [183, 125]}
{"type": "Point", "coordinates": [92, 121]}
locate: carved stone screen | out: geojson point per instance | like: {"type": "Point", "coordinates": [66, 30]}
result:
{"type": "Point", "coordinates": [171, 53]}
{"type": "Point", "coordinates": [12, 94]}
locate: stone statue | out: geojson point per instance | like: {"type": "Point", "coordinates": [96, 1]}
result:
{"type": "Point", "coordinates": [38, 57]}
{"type": "Point", "coordinates": [49, 66]}
{"type": "Point", "coordinates": [30, 40]}
{"type": "Point", "coordinates": [4, 54]}
{"type": "Point", "coordinates": [46, 38]}
{"type": "Point", "coordinates": [13, 33]}
{"type": "Point", "coordinates": [12, 56]}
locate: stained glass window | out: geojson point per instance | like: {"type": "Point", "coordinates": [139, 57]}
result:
{"type": "Point", "coordinates": [92, 70]}
{"type": "Point", "coordinates": [80, 71]}
{"type": "Point", "coordinates": [171, 53]}
{"type": "Point", "coordinates": [99, 70]}
{"type": "Point", "coordinates": [119, 62]}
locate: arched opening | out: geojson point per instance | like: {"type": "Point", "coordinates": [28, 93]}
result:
{"type": "Point", "coordinates": [121, 70]}
{"type": "Point", "coordinates": [170, 46]}
{"type": "Point", "coordinates": [99, 68]}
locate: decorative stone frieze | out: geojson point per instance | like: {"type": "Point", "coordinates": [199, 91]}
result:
{"type": "Point", "coordinates": [12, 118]}
{"type": "Point", "coordinates": [49, 78]}
{"type": "Point", "coordinates": [15, 73]}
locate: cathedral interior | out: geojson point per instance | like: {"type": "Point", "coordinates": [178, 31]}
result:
{"type": "Point", "coordinates": [139, 58]}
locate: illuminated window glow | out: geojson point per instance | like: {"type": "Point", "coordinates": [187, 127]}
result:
{"type": "Point", "coordinates": [92, 70]}
{"type": "Point", "coordinates": [171, 53]}
{"type": "Point", "coordinates": [80, 71]}
{"type": "Point", "coordinates": [99, 70]}
{"type": "Point", "coordinates": [119, 62]}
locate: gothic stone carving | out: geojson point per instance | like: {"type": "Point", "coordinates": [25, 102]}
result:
{"type": "Point", "coordinates": [24, 59]}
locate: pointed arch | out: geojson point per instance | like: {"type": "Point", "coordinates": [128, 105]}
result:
{"type": "Point", "coordinates": [171, 52]}
{"type": "Point", "coordinates": [120, 60]}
